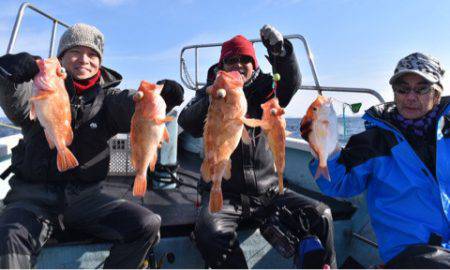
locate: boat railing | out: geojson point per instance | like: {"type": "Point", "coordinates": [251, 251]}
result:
{"type": "Point", "coordinates": [195, 84]}
{"type": "Point", "coordinates": [18, 24]}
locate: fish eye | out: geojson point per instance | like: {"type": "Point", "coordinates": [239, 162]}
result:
{"type": "Point", "coordinates": [315, 109]}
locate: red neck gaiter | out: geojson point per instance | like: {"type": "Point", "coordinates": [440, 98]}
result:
{"type": "Point", "coordinates": [83, 85]}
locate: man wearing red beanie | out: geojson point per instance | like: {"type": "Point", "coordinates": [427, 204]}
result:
{"type": "Point", "coordinates": [252, 191]}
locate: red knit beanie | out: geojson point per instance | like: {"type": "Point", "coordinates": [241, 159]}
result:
{"type": "Point", "coordinates": [238, 45]}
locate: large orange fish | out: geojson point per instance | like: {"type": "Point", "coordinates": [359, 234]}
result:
{"type": "Point", "coordinates": [147, 132]}
{"type": "Point", "coordinates": [274, 126]}
{"type": "Point", "coordinates": [323, 138]}
{"type": "Point", "coordinates": [223, 130]}
{"type": "Point", "coordinates": [50, 105]}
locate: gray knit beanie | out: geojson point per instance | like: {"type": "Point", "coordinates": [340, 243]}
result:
{"type": "Point", "coordinates": [81, 34]}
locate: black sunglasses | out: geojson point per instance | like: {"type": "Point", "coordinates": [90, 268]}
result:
{"type": "Point", "coordinates": [399, 89]}
{"type": "Point", "coordinates": [243, 59]}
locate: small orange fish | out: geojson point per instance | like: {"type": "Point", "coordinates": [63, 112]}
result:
{"type": "Point", "coordinates": [147, 132]}
{"type": "Point", "coordinates": [50, 105]}
{"type": "Point", "coordinates": [274, 126]}
{"type": "Point", "coordinates": [323, 138]}
{"type": "Point", "coordinates": [223, 130]}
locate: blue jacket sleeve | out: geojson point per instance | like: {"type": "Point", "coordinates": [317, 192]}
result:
{"type": "Point", "coordinates": [352, 168]}
{"type": "Point", "coordinates": [343, 183]}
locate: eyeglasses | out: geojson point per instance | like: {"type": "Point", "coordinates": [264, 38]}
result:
{"type": "Point", "coordinates": [243, 59]}
{"type": "Point", "coordinates": [403, 90]}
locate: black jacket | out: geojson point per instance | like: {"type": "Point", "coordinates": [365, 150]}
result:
{"type": "Point", "coordinates": [252, 167]}
{"type": "Point", "coordinates": [98, 114]}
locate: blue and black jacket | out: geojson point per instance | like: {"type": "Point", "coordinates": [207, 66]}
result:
{"type": "Point", "coordinates": [407, 202]}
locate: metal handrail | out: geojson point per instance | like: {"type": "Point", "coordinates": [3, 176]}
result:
{"type": "Point", "coordinates": [209, 45]}
{"type": "Point", "coordinates": [317, 87]}
{"type": "Point", "coordinates": [345, 89]}
{"type": "Point", "coordinates": [18, 22]}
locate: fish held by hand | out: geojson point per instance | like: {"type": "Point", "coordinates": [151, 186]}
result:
{"type": "Point", "coordinates": [51, 106]}
{"type": "Point", "coordinates": [323, 137]}
{"type": "Point", "coordinates": [147, 132]}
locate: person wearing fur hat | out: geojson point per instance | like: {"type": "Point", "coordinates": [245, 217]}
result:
{"type": "Point", "coordinates": [401, 161]}
{"type": "Point", "coordinates": [252, 192]}
{"type": "Point", "coordinates": [41, 198]}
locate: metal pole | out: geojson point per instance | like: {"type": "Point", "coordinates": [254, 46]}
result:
{"type": "Point", "coordinates": [52, 40]}
{"type": "Point", "coordinates": [16, 27]}
{"type": "Point", "coordinates": [196, 68]}
{"type": "Point", "coordinates": [18, 22]}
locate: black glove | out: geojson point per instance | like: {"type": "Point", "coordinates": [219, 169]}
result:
{"type": "Point", "coordinates": [19, 68]}
{"type": "Point", "coordinates": [272, 40]}
{"type": "Point", "coordinates": [305, 128]}
{"type": "Point", "coordinates": [172, 93]}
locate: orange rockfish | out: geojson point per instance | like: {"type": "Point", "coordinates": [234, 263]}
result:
{"type": "Point", "coordinates": [147, 132]}
{"type": "Point", "coordinates": [50, 105]}
{"type": "Point", "coordinates": [274, 126]}
{"type": "Point", "coordinates": [223, 130]}
{"type": "Point", "coordinates": [323, 138]}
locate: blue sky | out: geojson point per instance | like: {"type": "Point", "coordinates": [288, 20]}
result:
{"type": "Point", "coordinates": [355, 43]}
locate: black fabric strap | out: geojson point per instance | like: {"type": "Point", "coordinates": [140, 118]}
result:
{"type": "Point", "coordinates": [96, 106]}
{"type": "Point", "coordinates": [6, 172]}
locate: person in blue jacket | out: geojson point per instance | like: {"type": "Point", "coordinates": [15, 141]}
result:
{"type": "Point", "coordinates": [402, 159]}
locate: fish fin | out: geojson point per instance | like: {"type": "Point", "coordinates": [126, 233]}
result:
{"type": "Point", "coordinates": [322, 171]}
{"type": "Point", "coordinates": [69, 137]}
{"type": "Point", "coordinates": [153, 162]}
{"type": "Point", "coordinates": [315, 150]}
{"type": "Point", "coordinates": [227, 174]}
{"type": "Point", "coordinates": [275, 167]}
{"type": "Point", "coordinates": [251, 122]}
{"type": "Point", "coordinates": [140, 185]}
{"type": "Point", "coordinates": [166, 135]}
{"type": "Point", "coordinates": [205, 170]}
{"type": "Point", "coordinates": [65, 160]}
{"type": "Point", "coordinates": [266, 145]}
{"type": "Point", "coordinates": [288, 133]}
{"type": "Point", "coordinates": [215, 197]}
{"type": "Point", "coordinates": [280, 183]}
{"type": "Point", "coordinates": [39, 97]}
{"type": "Point", "coordinates": [32, 111]}
{"type": "Point", "coordinates": [160, 121]}
{"type": "Point", "coordinates": [245, 136]}
{"type": "Point", "coordinates": [50, 143]}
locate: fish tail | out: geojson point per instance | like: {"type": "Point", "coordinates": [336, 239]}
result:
{"type": "Point", "coordinates": [322, 170]}
{"type": "Point", "coordinates": [215, 197]}
{"type": "Point", "coordinates": [280, 183]}
{"type": "Point", "coordinates": [205, 170]}
{"type": "Point", "coordinates": [140, 185]}
{"type": "Point", "coordinates": [153, 162]}
{"type": "Point", "coordinates": [65, 160]}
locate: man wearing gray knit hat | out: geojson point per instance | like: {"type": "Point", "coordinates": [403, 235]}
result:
{"type": "Point", "coordinates": [99, 111]}
{"type": "Point", "coordinates": [81, 34]}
